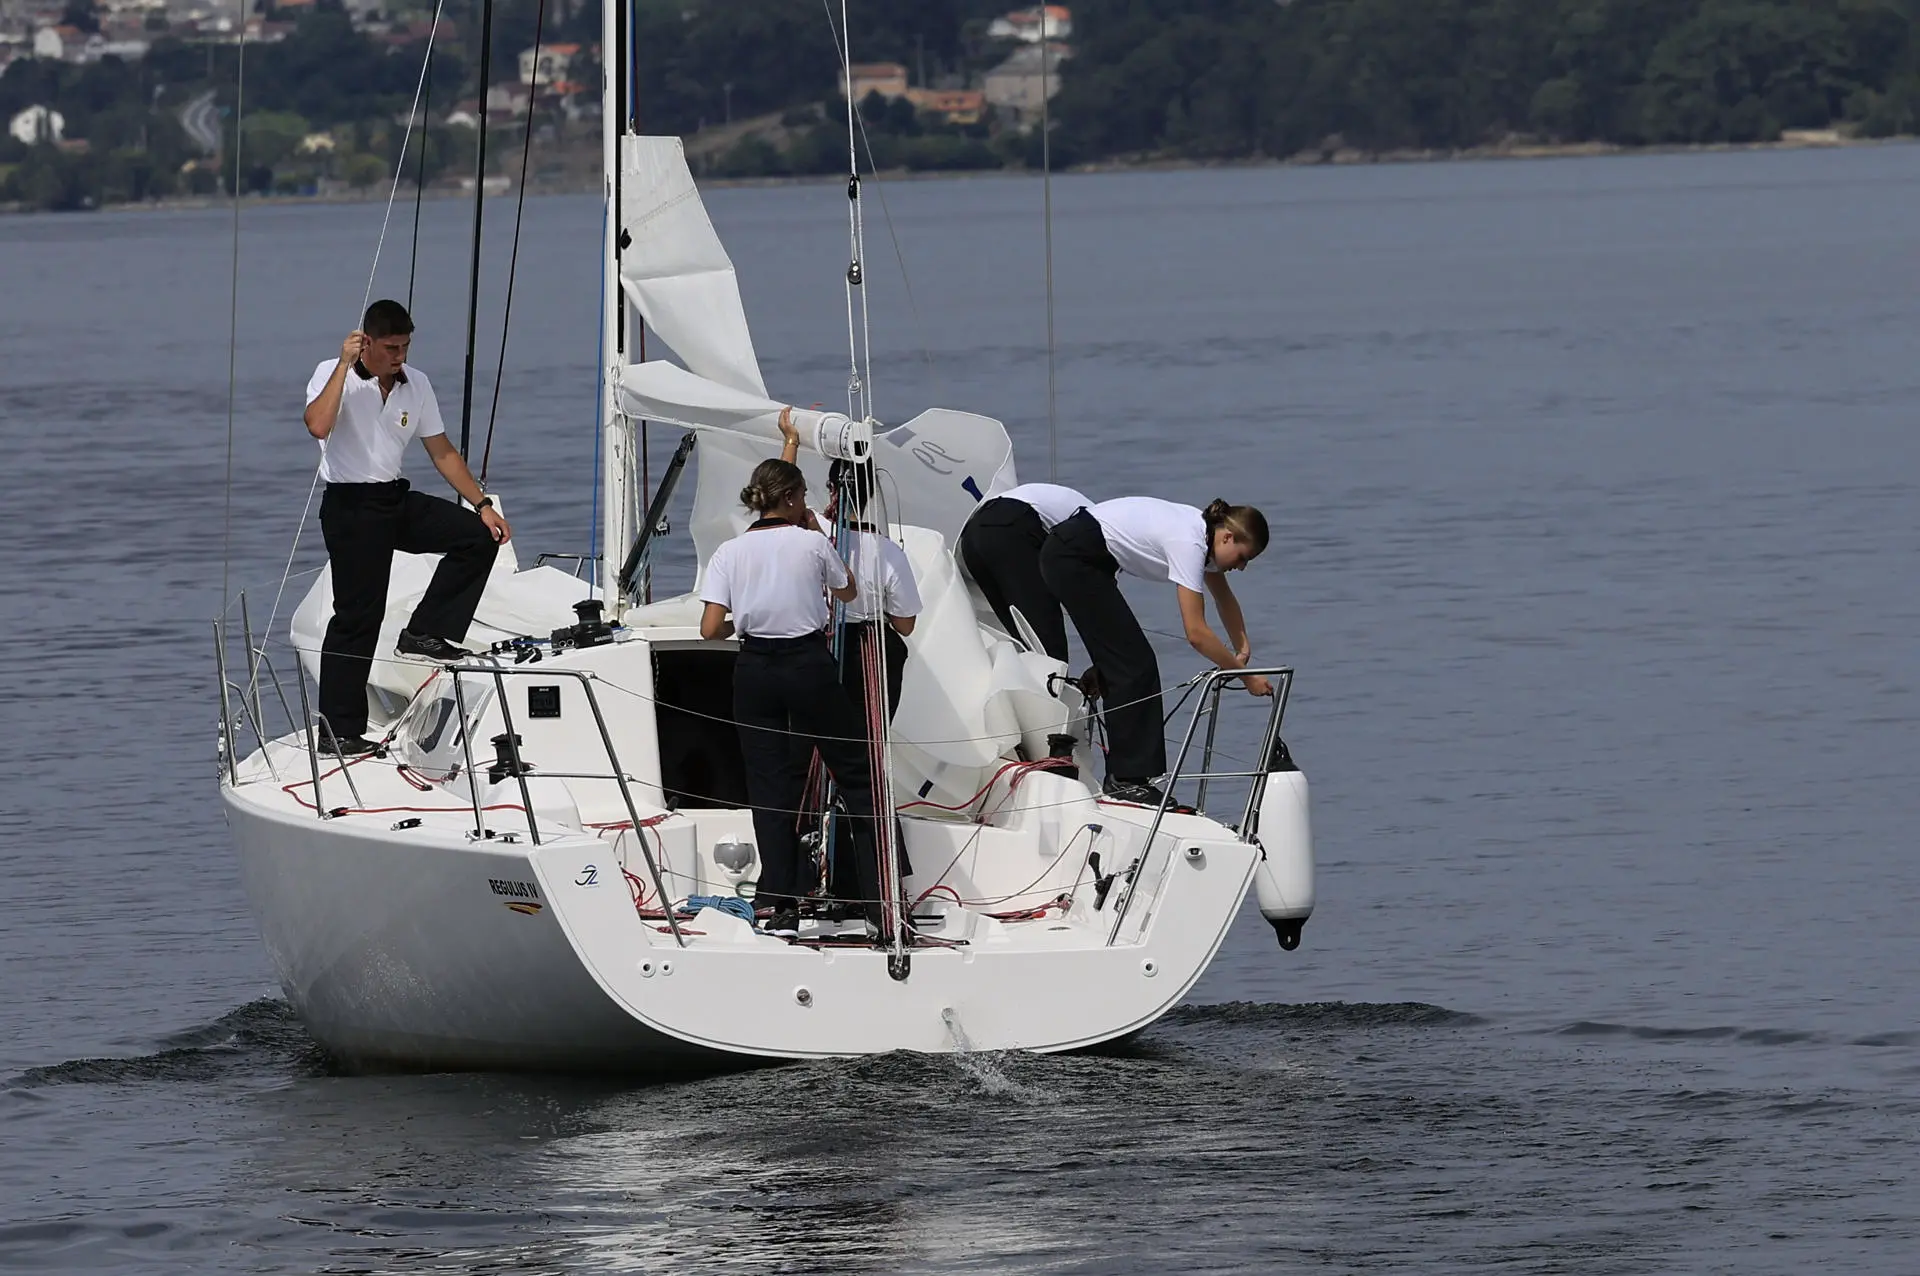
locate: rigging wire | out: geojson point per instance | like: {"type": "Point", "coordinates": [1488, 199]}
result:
{"type": "Point", "coordinates": [400, 163]}
{"type": "Point", "coordinates": [513, 259]}
{"type": "Point", "coordinates": [880, 188]}
{"type": "Point", "coordinates": [1046, 219]}
{"type": "Point", "coordinates": [859, 390]}
{"type": "Point", "coordinates": [392, 194]}
{"type": "Point", "coordinates": [479, 207]}
{"type": "Point", "coordinates": [599, 397]}
{"type": "Point", "coordinates": [420, 182]}
{"type": "Point", "coordinates": [233, 313]}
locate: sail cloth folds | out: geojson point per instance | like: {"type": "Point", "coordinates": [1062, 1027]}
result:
{"type": "Point", "coordinates": [674, 270]}
{"type": "Point", "coordinates": [933, 470]}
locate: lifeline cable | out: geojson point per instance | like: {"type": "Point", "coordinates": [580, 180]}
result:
{"type": "Point", "coordinates": [688, 711]}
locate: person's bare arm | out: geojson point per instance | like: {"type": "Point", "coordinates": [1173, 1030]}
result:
{"type": "Point", "coordinates": [324, 411]}
{"type": "Point", "coordinates": [1193, 617]}
{"type": "Point", "coordinates": [714, 622]}
{"type": "Point", "coordinates": [790, 437]}
{"type": "Point", "coordinates": [1230, 617]}
{"type": "Point", "coordinates": [902, 625]}
{"type": "Point", "coordinates": [453, 468]}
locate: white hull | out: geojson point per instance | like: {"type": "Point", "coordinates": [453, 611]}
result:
{"type": "Point", "coordinates": [404, 956]}
{"type": "Point", "coordinates": [406, 933]}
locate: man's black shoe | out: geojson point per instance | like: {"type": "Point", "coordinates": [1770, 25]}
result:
{"type": "Point", "coordinates": [430, 647]}
{"type": "Point", "coordinates": [784, 923]}
{"type": "Point", "coordinates": [349, 746]}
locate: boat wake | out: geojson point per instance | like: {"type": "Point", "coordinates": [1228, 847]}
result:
{"type": "Point", "coordinates": [1731, 1034]}
{"type": "Point", "coordinates": [1318, 1016]}
{"type": "Point", "coordinates": [265, 1037]}
{"type": "Point", "coordinates": [261, 1036]}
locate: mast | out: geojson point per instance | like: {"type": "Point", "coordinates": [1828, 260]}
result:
{"type": "Point", "coordinates": [616, 500]}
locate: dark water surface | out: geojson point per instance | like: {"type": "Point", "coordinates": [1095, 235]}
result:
{"type": "Point", "coordinates": [1597, 512]}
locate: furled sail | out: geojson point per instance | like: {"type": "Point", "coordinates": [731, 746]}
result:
{"type": "Point", "coordinates": [674, 269]}
{"type": "Point", "coordinates": [934, 469]}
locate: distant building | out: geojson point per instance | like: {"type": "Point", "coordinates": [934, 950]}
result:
{"type": "Point", "coordinates": [38, 124]}
{"type": "Point", "coordinates": [1042, 22]}
{"type": "Point", "coordinates": [507, 100]}
{"type": "Point", "coordinates": [1015, 86]}
{"type": "Point", "coordinates": [554, 61]}
{"type": "Point", "coordinates": [888, 79]}
{"type": "Point", "coordinates": [317, 143]}
{"type": "Point", "coordinates": [955, 106]}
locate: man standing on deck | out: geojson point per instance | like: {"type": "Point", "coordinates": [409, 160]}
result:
{"type": "Point", "coordinates": [363, 408]}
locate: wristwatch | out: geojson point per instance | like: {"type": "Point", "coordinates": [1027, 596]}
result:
{"type": "Point", "coordinates": [486, 502]}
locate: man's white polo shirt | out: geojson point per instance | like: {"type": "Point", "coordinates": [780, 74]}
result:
{"type": "Point", "coordinates": [369, 438]}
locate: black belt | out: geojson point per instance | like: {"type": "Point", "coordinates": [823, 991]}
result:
{"type": "Point", "coordinates": [773, 646]}
{"type": "Point", "coordinates": [352, 491]}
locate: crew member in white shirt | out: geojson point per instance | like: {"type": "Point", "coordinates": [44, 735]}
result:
{"type": "Point", "coordinates": [774, 579]}
{"type": "Point", "coordinates": [878, 563]}
{"type": "Point", "coordinates": [1000, 547]}
{"type": "Point", "coordinates": [1160, 541]}
{"type": "Point", "coordinates": [364, 408]}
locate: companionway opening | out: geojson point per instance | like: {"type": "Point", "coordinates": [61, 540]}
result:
{"type": "Point", "coordinates": [700, 762]}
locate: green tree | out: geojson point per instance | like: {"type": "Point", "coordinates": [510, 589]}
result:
{"type": "Point", "coordinates": [1742, 70]}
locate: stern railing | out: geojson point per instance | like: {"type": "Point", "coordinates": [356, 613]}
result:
{"type": "Point", "coordinates": [310, 725]}
{"type": "Point", "coordinates": [1212, 684]}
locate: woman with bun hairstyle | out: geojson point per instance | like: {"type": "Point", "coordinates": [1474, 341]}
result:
{"type": "Point", "coordinates": [1160, 541]}
{"type": "Point", "coordinates": [774, 579]}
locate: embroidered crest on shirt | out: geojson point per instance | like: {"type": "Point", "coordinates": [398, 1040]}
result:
{"type": "Point", "coordinates": [403, 420]}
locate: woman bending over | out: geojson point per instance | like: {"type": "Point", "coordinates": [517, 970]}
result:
{"type": "Point", "coordinates": [1160, 541]}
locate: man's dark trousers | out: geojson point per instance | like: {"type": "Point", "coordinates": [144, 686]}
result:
{"type": "Point", "coordinates": [364, 523]}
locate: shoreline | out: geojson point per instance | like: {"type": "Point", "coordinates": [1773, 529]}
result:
{"type": "Point", "coordinates": [1514, 150]}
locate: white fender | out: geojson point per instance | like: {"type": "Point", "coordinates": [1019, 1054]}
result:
{"type": "Point", "coordinates": [1283, 882]}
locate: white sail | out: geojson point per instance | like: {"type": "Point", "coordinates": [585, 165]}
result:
{"type": "Point", "coordinates": [933, 470]}
{"type": "Point", "coordinates": [675, 270]}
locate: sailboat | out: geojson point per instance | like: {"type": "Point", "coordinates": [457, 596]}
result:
{"type": "Point", "coordinates": [550, 865]}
